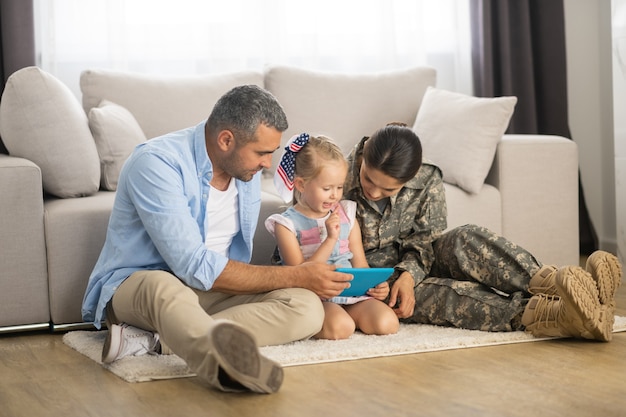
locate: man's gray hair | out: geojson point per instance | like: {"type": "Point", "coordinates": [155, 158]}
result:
{"type": "Point", "coordinates": [242, 109]}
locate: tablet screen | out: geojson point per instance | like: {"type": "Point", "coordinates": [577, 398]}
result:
{"type": "Point", "coordinates": [364, 279]}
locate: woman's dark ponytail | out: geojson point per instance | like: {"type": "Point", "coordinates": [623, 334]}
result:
{"type": "Point", "coordinates": [395, 150]}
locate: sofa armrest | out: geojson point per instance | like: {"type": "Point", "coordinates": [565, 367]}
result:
{"type": "Point", "coordinates": [537, 176]}
{"type": "Point", "coordinates": [23, 267]}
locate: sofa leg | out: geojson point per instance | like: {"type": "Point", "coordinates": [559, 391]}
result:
{"type": "Point", "coordinates": [72, 326]}
{"type": "Point", "coordinates": [24, 328]}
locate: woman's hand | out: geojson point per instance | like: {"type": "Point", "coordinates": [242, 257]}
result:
{"type": "Point", "coordinates": [402, 298]}
{"type": "Point", "coordinates": [379, 292]}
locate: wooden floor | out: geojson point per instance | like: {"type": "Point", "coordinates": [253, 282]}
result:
{"type": "Point", "coordinates": [40, 376]}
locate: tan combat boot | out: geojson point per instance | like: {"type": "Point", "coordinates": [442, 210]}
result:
{"type": "Point", "coordinates": [604, 268]}
{"type": "Point", "coordinates": [607, 271]}
{"type": "Point", "coordinates": [543, 281]}
{"type": "Point", "coordinates": [575, 312]}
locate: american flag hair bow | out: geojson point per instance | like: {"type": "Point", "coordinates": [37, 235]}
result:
{"type": "Point", "coordinates": [283, 178]}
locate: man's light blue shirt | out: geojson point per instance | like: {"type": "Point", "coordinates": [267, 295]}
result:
{"type": "Point", "coordinates": [159, 219]}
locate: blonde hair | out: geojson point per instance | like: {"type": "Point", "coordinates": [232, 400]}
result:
{"type": "Point", "coordinates": [310, 160]}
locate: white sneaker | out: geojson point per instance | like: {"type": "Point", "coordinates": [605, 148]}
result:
{"type": "Point", "coordinates": [125, 340]}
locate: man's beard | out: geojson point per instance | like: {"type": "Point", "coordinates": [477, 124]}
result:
{"type": "Point", "coordinates": [232, 166]}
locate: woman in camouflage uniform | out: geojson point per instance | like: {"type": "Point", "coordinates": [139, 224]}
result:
{"type": "Point", "coordinates": [467, 277]}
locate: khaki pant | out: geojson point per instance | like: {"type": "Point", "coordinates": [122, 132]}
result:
{"type": "Point", "coordinates": [160, 302]}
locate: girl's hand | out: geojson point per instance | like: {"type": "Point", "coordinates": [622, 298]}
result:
{"type": "Point", "coordinates": [333, 225]}
{"type": "Point", "coordinates": [379, 292]}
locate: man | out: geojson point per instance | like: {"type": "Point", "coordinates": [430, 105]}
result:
{"type": "Point", "coordinates": [173, 275]}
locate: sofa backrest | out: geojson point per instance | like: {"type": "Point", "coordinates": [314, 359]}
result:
{"type": "Point", "coordinates": [161, 104]}
{"type": "Point", "coordinates": [346, 107]}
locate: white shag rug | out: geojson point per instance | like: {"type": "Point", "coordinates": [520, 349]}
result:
{"type": "Point", "coordinates": [411, 338]}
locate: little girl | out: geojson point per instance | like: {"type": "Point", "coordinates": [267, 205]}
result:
{"type": "Point", "coordinates": [319, 226]}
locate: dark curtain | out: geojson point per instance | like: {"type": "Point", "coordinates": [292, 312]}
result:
{"type": "Point", "coordinates": [518, 49]}
{"type": "Point", "coordinates": [17, 39]}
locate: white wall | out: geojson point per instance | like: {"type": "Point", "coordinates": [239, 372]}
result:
{"type": "Point", "coordinates": [619, 112]}
{"type": "Point", "coordinates": [589, 71]}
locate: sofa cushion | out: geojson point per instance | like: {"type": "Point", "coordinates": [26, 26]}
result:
{"type": "Point", "coordinates": [460, 134]}
{"type": "Point", "coordinates": [116, 133]}
{"type": "Point", "coordinates": [42, 121]}
{"type": "Point", "coordinates": [75, 233]}
{"type": "Point", "coordinates": [346, 107]}
{"type": "Point", "coordinates": [483, 208]}
{"type": "Point", "coordinates": [161, 104]}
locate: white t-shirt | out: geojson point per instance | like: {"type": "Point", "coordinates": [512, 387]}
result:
{"type": "Point", "coordinates": [222, 213]}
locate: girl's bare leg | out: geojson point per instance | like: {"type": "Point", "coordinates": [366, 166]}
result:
{"type": "Point", "coordinates": [373, 317]}
{"type": "Point", "coordinates": [337, 323]}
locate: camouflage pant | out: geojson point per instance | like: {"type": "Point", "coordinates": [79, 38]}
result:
{"type": "Point", "coordinates": [479, 280]}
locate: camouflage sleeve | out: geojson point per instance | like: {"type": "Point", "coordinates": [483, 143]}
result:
{"type": "Point", "coordinates": [423, 224]}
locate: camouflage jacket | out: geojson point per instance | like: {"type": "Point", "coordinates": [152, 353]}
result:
{"type": "Point", "coordinates": [402, 235]}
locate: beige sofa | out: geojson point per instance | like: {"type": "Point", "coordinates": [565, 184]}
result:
{"type": "Point", "coordinates": [54, 207]}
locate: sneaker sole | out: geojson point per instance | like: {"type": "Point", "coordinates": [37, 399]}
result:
{"type": "Point", "coordinates": [235, 350]}
{"type": "Point", "coordinates": [113, 338]}
{"type": "Point", "coordinates": [579, 292]}
{"type": "Point", "coordinates": [606, 270]}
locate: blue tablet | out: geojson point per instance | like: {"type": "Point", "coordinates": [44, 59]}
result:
{"type": "Point", "coordinates": [364, 279]}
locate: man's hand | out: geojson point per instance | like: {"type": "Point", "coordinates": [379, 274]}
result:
{"type": "Point", "coordinates": [319, 277]}
{"type": "Point", "coordinates": [322, 279]}
{"type": "Point", "coordinates": [402, 292]}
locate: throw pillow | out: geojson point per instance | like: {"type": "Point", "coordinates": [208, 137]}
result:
{"type": "Point", "coordinates": [116, 133]}
{"type": "Point", "coordinates": [460, 134]}
{"type": "Point", "coordinates": [161, 104]}
{"type": "Point", "coordinates": [42, 121]}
